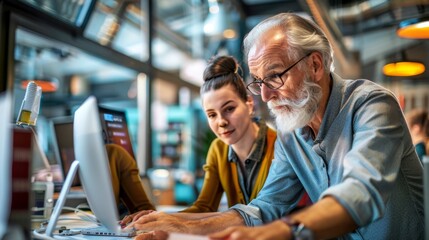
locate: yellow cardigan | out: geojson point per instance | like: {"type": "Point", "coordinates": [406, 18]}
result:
{"type": "Point", "coordinates": [221, 176]}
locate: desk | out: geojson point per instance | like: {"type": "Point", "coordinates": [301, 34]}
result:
{"type": "Point", "coordinates": [76, 224]}
{"type": "Point", "coordinates": [73, 222]}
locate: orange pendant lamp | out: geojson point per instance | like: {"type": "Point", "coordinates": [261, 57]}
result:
{"type": "Point", "coordinates": [404, 67]}
{"type": "Point", "coordinates": [415, 28]}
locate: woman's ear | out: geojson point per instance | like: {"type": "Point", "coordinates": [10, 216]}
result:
{"type": "Point", "coordinates": [250, 104]}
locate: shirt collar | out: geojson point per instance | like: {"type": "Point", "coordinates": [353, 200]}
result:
{"type": "Point", "coordinates": [258, 147]}
{"type": "Point", "coordinates": [332, 109]}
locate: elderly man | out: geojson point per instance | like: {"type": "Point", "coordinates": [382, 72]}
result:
{"type": "Point", "coordinates": [344, 142]}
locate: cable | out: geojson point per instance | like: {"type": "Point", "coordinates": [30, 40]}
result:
{"type": "Point", "coordinates": [82, 216]}
{"type": "Point", "coordinates": [44, 221]}
{"type": "Point", "coordinates": [38, 233]}
{"type": "Point", "coordinates": [87, 216]}
{"type": "Point", "coordinates": [64, 233]}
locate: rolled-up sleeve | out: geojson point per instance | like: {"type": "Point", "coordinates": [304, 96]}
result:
{"type": "Point", "coordinates": [250, 214]}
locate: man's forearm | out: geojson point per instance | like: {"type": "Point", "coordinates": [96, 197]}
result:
{"type": "Point", "coordinates": [215, 223]}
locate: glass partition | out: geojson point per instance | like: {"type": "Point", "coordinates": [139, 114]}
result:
{"type": "Point", "coordinates": [70, 11]}
{"type": "Point", "coordinates": [187, 33]}
{"type": "Point", "coordinates": [121, 25]}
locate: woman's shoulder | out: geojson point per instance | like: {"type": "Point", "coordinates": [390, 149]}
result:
{"type": "Point", "coordinates": [218, 151]}
{"type": "Point", "coordinates": [217, 143]}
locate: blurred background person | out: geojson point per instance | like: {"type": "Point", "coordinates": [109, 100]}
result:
{"type": "Point", "coordinates": [417, 120]}
{"type": "Point", "coordinates": [127, 186]}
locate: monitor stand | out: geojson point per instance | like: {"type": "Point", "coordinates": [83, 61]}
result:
{"type": "Point", "coordinates": [62, 198]}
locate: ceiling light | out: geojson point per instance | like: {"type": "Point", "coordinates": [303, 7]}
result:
{"type": "Point", "coordinates": [220, 23]}
{"type": "Point", "coordinates": [415, 28]}
{"type": "Point", "coordinates": [229, 33]}
{"type": "Point", "coordinates": [403, 69]}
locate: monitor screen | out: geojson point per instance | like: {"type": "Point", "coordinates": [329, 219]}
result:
{"type": "Point", "coordinates": [62, 129]}
{"type": "Point", "coordinates": [115, 128]}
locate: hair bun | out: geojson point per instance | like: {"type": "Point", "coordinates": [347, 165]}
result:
{"type": "Point", "coordinates": [220, 66]}
{"type": "Point", "coordinates": [222, 71]}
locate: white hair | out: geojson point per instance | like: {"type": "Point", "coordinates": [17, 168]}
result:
{"type": "Point", "coordinates": [302, 37]}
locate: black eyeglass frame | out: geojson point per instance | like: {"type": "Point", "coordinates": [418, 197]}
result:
{"type": "Point", "coordinates": [259, 83]}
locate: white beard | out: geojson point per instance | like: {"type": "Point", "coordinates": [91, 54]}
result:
{"type": "Point", "coordinates": [297, 113]}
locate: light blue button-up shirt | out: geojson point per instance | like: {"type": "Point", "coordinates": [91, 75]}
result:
{"type": "Point", "coordinates": [363, 156]}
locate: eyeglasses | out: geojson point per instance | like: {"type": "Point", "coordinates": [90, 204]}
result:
{"type": "Point", "coordinates": [272, 82]}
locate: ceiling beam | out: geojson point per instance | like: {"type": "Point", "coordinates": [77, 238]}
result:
{"type": "Point", "coordinates": [270, 8]}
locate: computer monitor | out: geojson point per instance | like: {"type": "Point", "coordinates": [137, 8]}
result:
{"type": "Point", "coordinates": [115, 128]}
{"type": "Point", "coordinates": [94, 170]}
{"type": "Point", "coordinates": [63, 146]}
{"type": "Point", "coordinates": [5, 160]}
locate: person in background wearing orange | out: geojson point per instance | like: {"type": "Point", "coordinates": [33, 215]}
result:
{"type": "Point", "coordinates": [126, 182]}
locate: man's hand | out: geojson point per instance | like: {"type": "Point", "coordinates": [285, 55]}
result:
{"type": "Point", "coordinates": [159, 221]}
{"type": "Point", "coordinates": [274, 231]}
{"type": "Point", "coordinates": [133, 217]}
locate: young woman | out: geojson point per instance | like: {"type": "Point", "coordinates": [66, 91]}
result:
{"type": "Point", "coordinates": [239, 158]}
